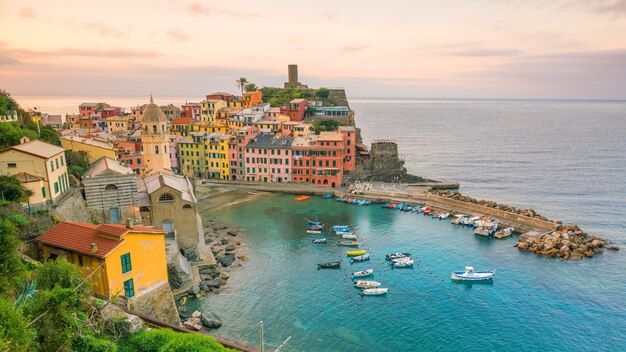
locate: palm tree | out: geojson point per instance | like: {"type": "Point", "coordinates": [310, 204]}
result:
{"type": "Point", "coordinates": [251, 87]}
{"type": "Point", "coordinates": [241, 83]}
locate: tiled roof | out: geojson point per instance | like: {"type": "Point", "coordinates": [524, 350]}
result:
{"type": "Point", "coordinates": [37, 148]}
{"type": "Point", "coordinates": [105, 164]}
{"type": "Point", "coordinates": [153, 182]}
{"type": "Point", "coordinates": [182, 121]}
{"type": "Point", "coordinates": [268, 141]}
{"type": "Point", "coordinates": [78, 237]}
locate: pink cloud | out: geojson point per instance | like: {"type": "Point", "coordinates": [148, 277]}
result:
{"type": "Point", "coordinates": [27, 12]}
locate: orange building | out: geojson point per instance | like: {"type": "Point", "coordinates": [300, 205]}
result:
{"type": "Point", "coordinates": [252, 98]}
{"type": "Point", "coordinates": [318, 159]}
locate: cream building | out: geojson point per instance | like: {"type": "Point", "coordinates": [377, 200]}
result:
{"type": "Point", "coordinates": [38, 160]}
{"type": "Point", "coordinates": [155, 138]}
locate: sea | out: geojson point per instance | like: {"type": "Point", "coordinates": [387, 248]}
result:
{"type": "Point", "coordinates": [565, 159]}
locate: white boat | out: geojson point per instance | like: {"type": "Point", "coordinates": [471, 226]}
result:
{"type": "Point", "coordinates": [457, 219]}
{"type": "Point", "coordinates": [366, 284]}
{"type": "Point", "coordinates": [404, 263]}
{"type": "Point", "coordinates": [486, 227]}
{"type": "Point", "coordinates": [467, 220]}
{"type": "Point", "coordinates": [444, 216]}
{"type": "Point", "coordinates": [401, 259]}
{"type": "Point", "coordinates": [314, 232]}
{"type": "Point", "coordinates": [319, 240]}
{"type": "Point", "coordinates": [340, 227]}
{"type": "Point", "coordinates": [363, 273]}
{"type": "Point", "coordinates": [504, 233]}
{"type": "Point", "coordinates": [470, 275]}
{"type": "Point", "coordinates": [360, 258]}
{"type": "Point", "coordinates": [374, 291]}
{"type": "Point", "coordinates": [343, 232]}
{"type": "Point", "coordinates": [349, 237]}
{"type": "Point", "coordinates": [393, 256]}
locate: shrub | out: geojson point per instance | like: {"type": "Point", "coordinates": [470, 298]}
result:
{"type": "Point", "coordinates": [93, 344]}
{"type": "Point", "coordinates": [58, 273]}
{"type": "Point", "coordinates": [19, 220]}
{"type": "Point", "coordinates": [165, 340]}
{"type": "Point", "coordinates": [11, 265]}
{"type": "Point", "coordinates": [14, 332]}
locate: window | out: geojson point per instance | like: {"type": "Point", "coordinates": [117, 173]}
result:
{"type": "Point", "coordinates": [11, 165]}
{"type": "Point", "coordinates": [166, 197]}
{"type": "Point", "coordinates": [43, 192]}
{"type": "Point", "coordinates": [51, 165]}
{"type": "Point", "coordinates": [156, 149]}
{"type": "Point", "coordinates": [80, 260]}
{"type": "Point", "coordinates": [57, 162]}
{"type": "Point", "coordinates": [129, 288]}
{"type": "Point", "coordinates": [56, 187]}
{"type": "Point", "coordinates": [186, 207]}
{"type": "Point", "coordinates": [138, 161]}
{"type": "Point", "coordinates": [110, 187]}
{"type": "Point", "coordinates": [126, 265]}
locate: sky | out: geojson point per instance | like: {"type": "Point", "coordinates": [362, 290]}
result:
{"type": "Point", "coordinates": [552, 49]}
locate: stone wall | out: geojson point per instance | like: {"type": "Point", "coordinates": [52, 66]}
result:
{"type": "Point", "coordinates": [384, 165]}
{"type": "Point", "coordinates": [72, 208]}
{"type": "Point", "coordinates": [157, 303]}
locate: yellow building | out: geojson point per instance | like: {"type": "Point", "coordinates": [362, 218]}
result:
{"type": "Point", "coordinates": [210, 107]}
{"type": "Point", "coordinates": [94, 148]}
{"type": "Point", "coordinates": [125, 260]}
{"type": "Point", "coordinates": [217, 155]}
{"type": "Point", "coordinates": [39, 160]}
{"type": "Point", "coordinates": [119, 124]}
{"type": "Point", "coordinates": [155, 139]}
{"type": "Point", "coordinates": [191, 155]}
{"type": "Point", "coordinates": [205, 155]}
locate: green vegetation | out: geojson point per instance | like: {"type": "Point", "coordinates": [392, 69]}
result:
{"type": "Point", "coordinates": [77, 162]}
{"type": "Point", "coordinates": [251, 87]}
{"type": "Point", "coordinates": [241, 83]}
{"type": "Point", "coordinates": [278, 96]}
{"type": "Point", "coordinates": [11, 190]}
{"type": "Point", "coordinates": [325, 125]}
{"type": "Point", "coordinates": [11, 133]}
{"type": "Point", "coordinates": [322, 93]}
{"type": "Point", "coordinates": [164, 340]}
{"type": "Point", "coordinates": [6, 102]}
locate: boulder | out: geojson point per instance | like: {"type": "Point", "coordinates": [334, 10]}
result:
{"type": "Point", "coordinates": [231, 232]}
{"type": "Point", "coordinates": [583, 248]}
{"type": "Point", "coordinates": [224, 275]}
{"type": "Point", "coordinates": [210, 320]}
{"type": "Point", "coordinates": [175, 280]}
{"type": "Point", "coordinates": [191, 253]}
{"type": "Point", "coordinates": [196, 314]}
{"type": "Point", "coordinates": [216, 283]}
{"type": "Point", "coordinates": [215, 250]}
{"type": "Point", "coordinates": [598, 250]}
{"type": "Point", "coordinates": [225, 241]}
{"type": "Point", "coordinates": [522, 245]}
{"type": "Point", "coordinates": [213, 272]}
{"type": "Point", "coordinates": [575, 256]}
{"type": "Point", "coordinates": [227, 259]}
{"type": "Point", "coordinates": [598, 243]}
{"type": "Point", "coordinates": [614, 247]}
{"type": "Point", "coordinates": [589, 253]}
{"type": "Point", "coordinates": [191, 325]}
{"type": "Point", "coordinates": [194, 290]}
{"type": "Point", "coordinates": [230, 247]}
{"type": "Point", "coordinates": [564, 248]}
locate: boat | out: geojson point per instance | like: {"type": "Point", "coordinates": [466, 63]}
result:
{"type": "Point", "coordinates": [470, 275]}
{"type": "Point", "coordinates": [314, 223]}
{"type": "Point", "coordinates": [356, 252]}
{"type": "Point", "coordinates": [386, 205]}
{"type": "Point", "coordinates": [401, 259]}
{"type": "Point", "coordinates": [337, 227]}
{"type": "Point", "coordinates": [301, 198]}
{"type": "Point", "coordinates": [366, 284]}
{"type": "Point", "coordinates": [391, 205]}
{"type": "Point", "coordinates": [444, 216]}
{"type": "Point", "coordinates": [403, 263]}
{"type": "Point", "coordinates": [348, 236]}
{"type": "Point", "coordinates": [314, 232]}
{"type": "Point", "coordinates": [503, 233]}
{"type": "Point", "coordinates": [397, 255]}
{"type": "Point", "coordinates": [363, 273]}
{"type": "Point", "coordinates": [327, 196]}
{"type": "Point", "coordinates": [329, 265]}
{"type": "Point", "coordinates": [367, 202]}
{"type": "Point", "coordinates": [468, 220]}
{"type": "Point", "coordinates": [341, 199]}
{"type": "Point", "coordinates": [421, 209]}
{"type": "Point", "coordinates": [374, 291]}
{"type": "Point", "coordinates": [252, 192]}
{"type": "Point", "coordinates": [427, 211]}
{"type": "Point", "coordinates": [360, 258]}
{"type": "Point", "coordinates": [458, 219]}
{"type": "Point", "coordinates": [486, 227]}
{"type": "Point", "coordinates": [319, 240]}
{"type": "Point", "coordinates": [397, 206]}
{"type": "Point", "coordinates": [348, 243]}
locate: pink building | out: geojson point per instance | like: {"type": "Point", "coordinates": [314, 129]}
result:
{"type": "Point", "coordinates": [237, 149]}
{"type": "Point", "coordinates": [268, 159]}
{"type": "Point", "coordinates": [349, 147]}
{"type": "Point", "coordinates": [272, 114]}
{"type": "Point", "coordinates": [295, 110]}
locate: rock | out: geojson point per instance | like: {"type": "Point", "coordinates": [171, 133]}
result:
{"type": "Point", "coordinates": [575, 256]}
{"type": "Point", "coordinates": [598, 250]}
{"type": "Point", "coordinates": [227, 259]}
{"type": "Point", "coordinates": [208, 240]}
{"type": "Point", "coordinates": [231, 232]}
{"type": "Point", "coordinates": [230, 247]}
{"type": "Point", "coordinates": [238, 243]}
{"type": "Point", "coordinates": [191, 253]}
{"type": "Point", "coordinates": [598, 243]}
{"type": "Point", "coordinates": [225, 241]}
{"type": "Point", "coordinates": [222, 281]}
{"type": "Point", "coordinates": [564, 248]}
{"type": "Point", "coordinates": [196, 314]}
{"type": "Point", "coordinates": [173, 278]}
{"type": "Point", "coordinates": [522, 245]}
{"type": "Point", "coordinates": [224, 275]}
{"type": "Point", "coordinates": [244, 257]}
{"type": "Point", "coordinates": [583, 248]}
{"type": "Point", "coordinates": [191, 325]}
{"type": "Point", "coordinates": [215, 283]}
{"type": "Point", "coordinates": [213, 272]}
{"type": "Point", "coordinates": [194, 290]}
{"type": "Point", "coordinates": [210, 320]}
{"type": "Point", "coordinates": [589, 253]}
{"type": "Point", "coordinates": [614, 247]}
{"type": "Point", "coordinates": [121, 322]}
{"type": "Point", "coordinates": [204, 288]}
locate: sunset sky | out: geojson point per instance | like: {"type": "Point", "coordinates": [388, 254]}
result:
{"type": "Point", "coordinates": [413, 48]}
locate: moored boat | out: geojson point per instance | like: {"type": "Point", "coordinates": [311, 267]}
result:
{"type": "Point", "coordinates": [444, 216]}
{"type": "Point", "coordinates": [403, 263]}
{"type": "Point", "coordinates": [348, 236]}
{"type": "Point", "coordinates": [503, 233]}
{"type": "Point", "coordinates": [363, 273]}
{"type": "Point", "coordinates": [301, 198]}
{"type": "Point", "coordinates": [359, 258]}
{"type": "Point", "coordinates": [329, 265]}
{"type": "Point", "coordinates": [469, 220]}
{"type": "Point", "coordinates": [314, 232]}
{"type": "Point", "coordinates": [365, 284]}
{"type": "Point", "coordinates": [356, 252]}
{"type": "Point", "coordinates": [348, 243]}
{"type": "Point", "coordinates": [327, 196]}
{"type": "Point", "coordinates": [319, 240]}
{"type": "Point", "coordinates": [251, 192]}
{"type": "Point", "coordinates": [427, 211]}
{"type": "Point", "coordinates": [486, 227]}
{"type": "Point", "coordinates": [458, 219]}
{"type": "Point", "coordinates": [470, 275]}
{"type": "Point", "coordinates": [397, 255]}
{"type": "Point", "coordinates": [374, 291]}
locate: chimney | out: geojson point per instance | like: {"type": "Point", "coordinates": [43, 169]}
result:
{"type": "Point", "coordinates": [129, 225]}
{"type": "Point", "coordinates": [94, 248]}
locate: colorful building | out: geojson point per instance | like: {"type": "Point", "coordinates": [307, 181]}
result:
{"type": "Point", "coordinates": [94, 148]}
{"type": "Point", "coordinates": [221, 96]}
{"type": "Point", "coordinates": [250, 99]}
{"type": "Point", "coordinates": [349, 147]}
{"type": "Point", "coordinates": [237, 149]}
{"type": "Point", "coordinates": [119, 124]}
{"type": "Point", "coordinates": [155, 138]}
{"type": "Point", "coordinates": [119, 260]}
{"type": "Point", "coordinates": [296, 110]}
{"type": "Point", "coordinates": [269, 159]}
{"type": "Point", "coordinates": [210, 108]}
{"type": "Point", "coordinates": [191, 110]}
{"type": "Point", "coordinates": [318, 160]}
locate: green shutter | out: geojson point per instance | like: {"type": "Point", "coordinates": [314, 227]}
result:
{"type": "Point", "coordinates": [129, 288]}
{"type": "Point", "coordinates": [126, 265]}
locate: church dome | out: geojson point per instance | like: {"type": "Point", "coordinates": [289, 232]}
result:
{"type": "Point", "coordinates": [153, 113]}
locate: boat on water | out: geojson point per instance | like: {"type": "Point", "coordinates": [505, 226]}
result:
{"type": "Point", "coordinates": [458, 219]}
{"type": "Point", "coordinates": [348, 243]}
{"type": "Point", "coordinates": [427, 211]}
{"type": "Point", "coordinates": [314, 232]}
{"type": "Point", "coordinates": [391, 205]}
{"type": "Point", "coordinates": [486, 227]}
{"type": "Point", "coordinates": [403, 263]}
{"type": "Point", "coordinates": [348, 236]}
{"type": "Point", "coordinates": [301, 198]}
{"type": "Point", "coordinates": [252, 192]}
{"type": "Point", "coordinates": [329, 265]}
{"type": "Point", "coordinates": [343, 232]}
{"type": "Point", "coordinates": [397, 255]}
{"type": "Point", "coordinates": [421, 209]}
{"type": "Point", "coordinates": [363, 273]}
{"type": "Point", "coordinates": [366, 284]}
{"type": "Point", "coordinates": [327, 196]}
{"type": "Point", "coordinates": [319, 240]}
{"type": "Point", "coordinates": [444, 216]}
{"type": "Point", "coordinates": [359, 258]}
{"type": "Point", "coordinates": [356, 252]}
{"type": "Point", "coordinates": [341, 199]}
{"type": "Point", "coordinates": [470, 275]}
{"type": "Point", "coordinates": [503, 233]}
{"type": "Point", "coordinates": [469, 220]}
{"type": "Point", "coordinates": [374, 291]}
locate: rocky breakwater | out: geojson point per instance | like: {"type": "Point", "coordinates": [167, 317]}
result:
{"type": "Point", "coordinates": [489, 204]}
{"type": "Point", "coordinates": [568, 242]}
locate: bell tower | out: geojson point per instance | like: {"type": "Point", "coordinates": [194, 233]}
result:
{"type": "Point", "coordinates": [155, 138]}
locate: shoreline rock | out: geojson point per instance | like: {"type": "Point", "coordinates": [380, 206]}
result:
{"type": "Point", "coordinates": [567, 242]}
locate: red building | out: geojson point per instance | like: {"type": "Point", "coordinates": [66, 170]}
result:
{"type": "Point", "coordinates": [349, 147]}
{"type": "Point", "coordinates": [111, 111]}
{"type": "Point", "coordinates": [220, 96]}
{"type": "Point", "coordinates": [191, 110]}
{"type": "Point", "coordinates": [295, 110]}
{"type": "Point", "coordinates": [318, 159]}
{"type": "Point", "coordinates": [130, 154]}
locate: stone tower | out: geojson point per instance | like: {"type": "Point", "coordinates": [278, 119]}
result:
{"type": "Point", "coordinates": [292, 71]}
{"type": "Point", "coordinates": [155, 137]}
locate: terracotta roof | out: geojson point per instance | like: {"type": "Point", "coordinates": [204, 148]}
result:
{"type": "Point", "coordinates": [37, 148]}
{"type": "Point", "coordinates": [78, 237]}
{"type": "Point", "coordinates": [182, 121]}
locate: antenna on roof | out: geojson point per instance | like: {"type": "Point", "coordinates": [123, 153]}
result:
{"type": "Point", "coordinates": [151, 101]}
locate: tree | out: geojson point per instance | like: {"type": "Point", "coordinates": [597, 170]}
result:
{"type": "Point", "coordinates": [14, 332]}
{"type": "Point", "coordinates": [11, 190]}
{"type": "Point", "coordinates": [241, 83]}
{"type": "Point", "coordinates": [11, 133]}
{"type": "Point", "coordinates": [322, 93]}
{"type": "Point", "coordinates": [11, 265]}
{"type": "Point", "coordinates": [59, 273]}
{"type": "Point", "coordinates": [251, 87]}
{"type": "Point", "coordinates": [325, 125]}
{"type": "Point", "coordinates": [77, 162]}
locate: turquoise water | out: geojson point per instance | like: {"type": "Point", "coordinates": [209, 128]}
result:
{"type": "Point", "coordinates": [534, 303]}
